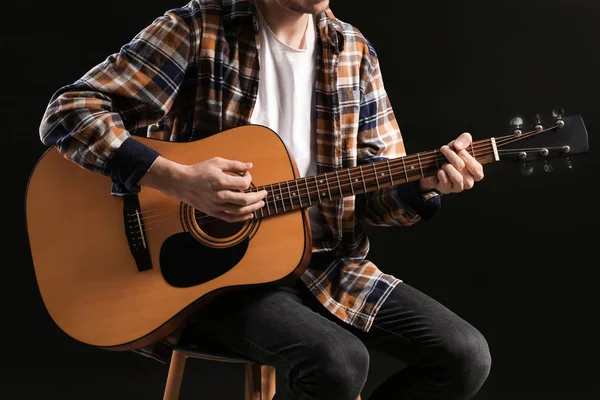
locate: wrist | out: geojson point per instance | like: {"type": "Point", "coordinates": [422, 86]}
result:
{"type": "Point", "coordinates": [427, 184]}
{"type": "Point", "coordinates": [162, 175]}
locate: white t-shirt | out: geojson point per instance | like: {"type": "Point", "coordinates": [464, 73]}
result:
{"type": "Point", "coordinates": [285, 100]}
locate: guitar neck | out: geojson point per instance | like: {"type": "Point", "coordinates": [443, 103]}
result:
{"type": "Point", "coordinates": [304, 192]}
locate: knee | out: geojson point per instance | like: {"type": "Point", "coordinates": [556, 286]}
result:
{"type": "Point", "coordinates": [338, 371]}
{"type": "Point", "coordinates": [468, 359]}
{"type": "Point", "coordinates": [344, 369]}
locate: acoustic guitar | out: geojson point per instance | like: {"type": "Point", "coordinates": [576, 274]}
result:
{"type": "Point", "coordinates": [121, 272]}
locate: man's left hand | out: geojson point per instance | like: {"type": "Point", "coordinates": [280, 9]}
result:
{"type": "Point", "coordinates": [460, 172]}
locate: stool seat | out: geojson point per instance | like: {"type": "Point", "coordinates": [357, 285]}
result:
{"type": "Point", "coordinates": [210, 352]}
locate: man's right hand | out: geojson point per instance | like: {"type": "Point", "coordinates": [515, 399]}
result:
{"type": "Point", "coordinates": [215, 187]}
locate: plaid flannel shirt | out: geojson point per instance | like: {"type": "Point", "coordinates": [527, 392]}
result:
{"type": "Point", "coordinates": [192, 73]}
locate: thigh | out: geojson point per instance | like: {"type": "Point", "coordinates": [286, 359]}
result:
{"type": "Point", "coordinates": [272, 326]}
{"type": "Point", "coordinates": [414, 327]}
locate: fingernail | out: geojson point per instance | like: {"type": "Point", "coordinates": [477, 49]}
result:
{"type": "Point", "coordinates": [458, 143]}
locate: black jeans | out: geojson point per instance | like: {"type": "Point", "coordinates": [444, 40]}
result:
{"type": "Point", "coordinates": [318, 357]}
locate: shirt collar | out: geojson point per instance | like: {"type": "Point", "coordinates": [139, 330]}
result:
{"type": "Point", "coordinates": [331, 30]}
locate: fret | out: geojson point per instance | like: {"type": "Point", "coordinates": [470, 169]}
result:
{"type": "Point", "coordinates": [390, 172]}
{"type": "Point", "coordinates": [328, 189]}
{"type": "Point", "coordinates": [436, 160]}
{"type": "Point", "coordinates": [308, 192]}
{"type": "Point", "coordinates": [262, 212]}
{"type": "Point", "coordinates": [363, 178]}
{"type": "Point", "coordinates": [299, 195]}
{"type": "Point", "coordinates": [473, 151]}
{"type": "Point", "coordinates": [420, 166]}
{"type": "Point", "coordinates": [339, 183]}
{"type": "Point", "coordinates": [405, 172]}
{"type": "Point", "coordinates": [274, 199]}
{"type": "Point", "coordinates": [267, 203]}
{"type": "Point", "coordinates": [318, 190]}
{"type": "Point", "coordinates": [290, 193]}
{"type": "Point", "coordinates": [376, 178]}
{"type": "Point", "coordinates": [281, 196]}
{"type": "Point", "coordinates": [351, 184]}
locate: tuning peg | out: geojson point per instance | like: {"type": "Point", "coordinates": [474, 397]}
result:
{"type": "Point", "coordinates": [538, 123]}
{"type": "Point", "coordinates": [557, 114]}
{"type": "Point", "coordinates": [548, 167]}
{"type": "Point", "coordinates": [517, 125]}
{"type": "Point", "coordinates": [527, 169]}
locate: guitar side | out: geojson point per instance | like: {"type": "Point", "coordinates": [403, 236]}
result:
{"type": "Point", "coordinates": [88, 279]}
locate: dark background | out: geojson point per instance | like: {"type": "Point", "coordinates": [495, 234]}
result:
{"type": "Point", "coordinates": [515, 256]}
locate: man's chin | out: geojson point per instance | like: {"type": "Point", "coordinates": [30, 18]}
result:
{"type": "Point", "coordinates": [321, 8]}
{"type": "Point", "coordinates": [313, 9]}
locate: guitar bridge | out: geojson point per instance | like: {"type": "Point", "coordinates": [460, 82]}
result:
{"type": "Point", "coordinates": [135, 232]}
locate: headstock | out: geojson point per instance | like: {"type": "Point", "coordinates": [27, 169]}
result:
{"type": "Point", "coordinates": [545, 138]}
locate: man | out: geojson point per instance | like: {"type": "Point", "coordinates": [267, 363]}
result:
{"type": "Point", "coordinates": [292, 66]}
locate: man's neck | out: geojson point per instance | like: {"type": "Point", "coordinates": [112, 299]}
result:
{"type": "Point", "coordinates": [288, 25]}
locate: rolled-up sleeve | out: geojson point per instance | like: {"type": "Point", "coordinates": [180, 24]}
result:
{"type": "Point", "coordinates": [90, 121]}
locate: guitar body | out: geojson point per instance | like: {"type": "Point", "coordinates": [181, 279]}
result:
{"type": "Point", "coordinates": [81, 242]}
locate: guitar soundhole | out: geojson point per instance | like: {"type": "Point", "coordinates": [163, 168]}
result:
{"type": "Point", "coordinates": [217, 228]}
{"type": "Point", "coordinates": [214, 232]}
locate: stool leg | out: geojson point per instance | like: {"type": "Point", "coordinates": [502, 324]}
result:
{"type": "Point", "coordinates": [268, 382]}
{"type": "Point", "coordinates": [253, 382]}
{"type": "Point", "coordinates": [175, 376]}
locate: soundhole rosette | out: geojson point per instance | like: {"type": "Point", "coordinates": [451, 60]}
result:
{"type": "Point", "coordinates": [215, 232]}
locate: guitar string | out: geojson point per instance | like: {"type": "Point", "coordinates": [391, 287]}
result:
{"type": "Point", "coordinates": [367, 173]}
{"type": "Point", "coordinates": [156, 218]}
{"type": "Point", "coordinates": [156, 221]}
{"type": "Point", "coordinates": [502, 141]}
{"type": "Point", "coordinates": [209, 219]}
{"type": "Point", "coordinates": [370, 174]}
{"type": "Point", "coordinates": [508, 151]}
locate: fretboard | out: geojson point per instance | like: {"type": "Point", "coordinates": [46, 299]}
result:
{"type": "Point", "coordinates": [307, 191]}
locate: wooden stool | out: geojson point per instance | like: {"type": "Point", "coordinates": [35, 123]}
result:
{"type": "Point", "coordinates": [259, 379]}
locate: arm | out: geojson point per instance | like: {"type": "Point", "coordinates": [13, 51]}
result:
{"type": "Point", "coordinates": [90, 120]}
{"type": "Point", "coordinates": [379, 138]}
